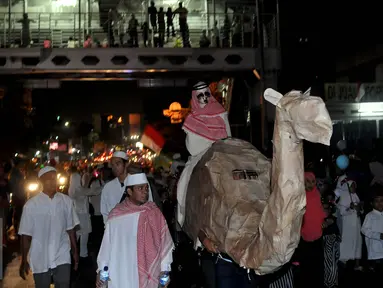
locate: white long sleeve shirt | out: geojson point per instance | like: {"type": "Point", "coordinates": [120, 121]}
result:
{"type": "Point", "coordinates": [95, 200]}
{"type": "Point", "coordinates": [372, 228]}
{"type": "Point", "coordinates": [47, 221]}
{"type": "Point", "coordinates": [80, 194]}
{"type": "Point", "coordinates": [110, 196]}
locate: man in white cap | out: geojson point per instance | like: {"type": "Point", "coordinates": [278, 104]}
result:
{"type": "Point", "coordinates": [47, 229]}
{"type": "Point", "coordinates": [114, 191]}
{"type": "Point", "coordinates": [137, 246]}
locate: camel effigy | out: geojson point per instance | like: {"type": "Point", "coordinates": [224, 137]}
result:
{"type": "Point", "coordinates": [231, 198]}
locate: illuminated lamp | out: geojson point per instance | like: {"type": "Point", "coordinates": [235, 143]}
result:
{"type": "Point", "coordinates": [176, 113]}
{"type": "Point", "coordinates": [66, 3]}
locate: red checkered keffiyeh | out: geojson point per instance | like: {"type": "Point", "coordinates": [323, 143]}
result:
{"type": "Point", "coordinates": [206, 122]}
{"type": "Point", "coordinates": [153, 240]}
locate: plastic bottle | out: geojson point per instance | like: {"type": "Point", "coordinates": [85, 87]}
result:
{"type": "Point", "coordinates": [104, 277]}
{"type": "Point", "coordinates": [164, 279]}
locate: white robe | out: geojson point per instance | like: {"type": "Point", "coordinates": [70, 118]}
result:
{"type": "Point", "coordinates": [197, 147]}
{"type": "Point", "coordinates": [80, 196]}
{"type": "Point", "coordinates": [351, 245]}
{"type": "Point", "coordinates": [119, 252]}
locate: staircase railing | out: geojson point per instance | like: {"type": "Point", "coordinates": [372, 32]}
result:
{"type": "Point", "coordinates": [44, 25]}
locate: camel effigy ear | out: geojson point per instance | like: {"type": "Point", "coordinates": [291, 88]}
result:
{"type": "Point", "coordinates": [272, 96]}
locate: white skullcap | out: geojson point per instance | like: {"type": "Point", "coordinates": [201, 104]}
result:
{"type": "Point", "coordinates": [120, 154]}
{"type": "Point", "coordinates": [176, 156]}
{"type": "Point", "coordinates": [45, 170]}
{"type": "Point", "coordinates": [136, 179]}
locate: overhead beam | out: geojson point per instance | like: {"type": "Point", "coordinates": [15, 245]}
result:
{"type": "Point", "coordinates": [125, 60]}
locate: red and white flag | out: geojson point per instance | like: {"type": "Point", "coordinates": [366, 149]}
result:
{"type": "Point", "coordinates": [152, 139]}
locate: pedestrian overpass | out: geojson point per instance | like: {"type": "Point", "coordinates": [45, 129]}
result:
{"type": "Point", "coordinates": [117, 63]}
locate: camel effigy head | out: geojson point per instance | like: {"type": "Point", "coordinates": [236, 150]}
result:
{"type": "Point", "coordinates": [307, 115]}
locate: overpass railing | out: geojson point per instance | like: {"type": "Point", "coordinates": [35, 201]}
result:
{"type": "Point", "coordinates": [59, 27]}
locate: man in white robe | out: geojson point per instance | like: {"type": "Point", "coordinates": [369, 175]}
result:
{"type": "Point", "coordinates": [80, 196]}
{"type": "Point", "coordinates": [137, 247]}
{"type": "Point", "coordinates": [207, 123]}
{"type": "Point", "coordinates": [350, 209]}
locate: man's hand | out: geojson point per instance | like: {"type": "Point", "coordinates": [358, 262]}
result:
{"type": "Point", "coordinates": [98, 281]}
{"type": "Point", "coordinates": [24, 269]}
{"type": "Point", "coordinates": [209, 245]}
{"type": "Point", "coordinates": [352, 205]}
{"type": "Point", "coordinates": [76, 259]}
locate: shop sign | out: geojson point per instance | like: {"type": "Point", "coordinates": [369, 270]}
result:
{"type": "Point", "coordinates": [353, 92]}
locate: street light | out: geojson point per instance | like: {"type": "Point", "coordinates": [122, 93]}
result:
{"type": "Point", "coordinates": [66, 124]}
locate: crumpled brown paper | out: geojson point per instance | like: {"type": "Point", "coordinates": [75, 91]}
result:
{"type": "Point", "coordinates": [258, 229]}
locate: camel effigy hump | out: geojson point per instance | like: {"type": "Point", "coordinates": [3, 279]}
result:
{"type": "Point", "coordinates": [227, 193]}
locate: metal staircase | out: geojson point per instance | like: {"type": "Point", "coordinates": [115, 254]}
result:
{"type": "Point", "coordinates": [57, 38]}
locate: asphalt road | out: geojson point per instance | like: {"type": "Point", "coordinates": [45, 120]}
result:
{"type": "Point", "coordinates": [85, 277]}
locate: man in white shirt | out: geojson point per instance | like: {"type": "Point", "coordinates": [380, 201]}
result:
{"type": "Point", "coordinates": [373, 228]}
{"type": "Point", "coordinates": [47, 230]}
{"type": "Point", "coordinates": [137, 246]}
{"type": "Point", "coordinates": [80, 196]}
{"type": "Point", "coordinates": [114, 191]}
{"type": "Point", "coordinates": [96, 216]}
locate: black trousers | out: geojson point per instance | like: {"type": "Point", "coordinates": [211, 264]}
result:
{"type": "Point", "coordinates": [311, 258]}
{"type": "Point", "coordinates": [221, 273]}
{"type": "Point", "coordinates": [97, 232]}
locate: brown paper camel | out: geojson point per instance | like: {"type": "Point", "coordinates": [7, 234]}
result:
{"type": "Point", "coordinates": [258, 229]}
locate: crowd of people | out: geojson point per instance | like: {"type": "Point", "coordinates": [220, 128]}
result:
{"type": "Point", "coordinates": [339, 231]}
{"type": "Point", "coordinates": [136, 219]}
{"type": "Point", "coordinates": [52, 224]}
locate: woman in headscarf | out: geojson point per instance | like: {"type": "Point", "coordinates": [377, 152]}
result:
{"type": "Point", "coordinates": [311, 245]}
